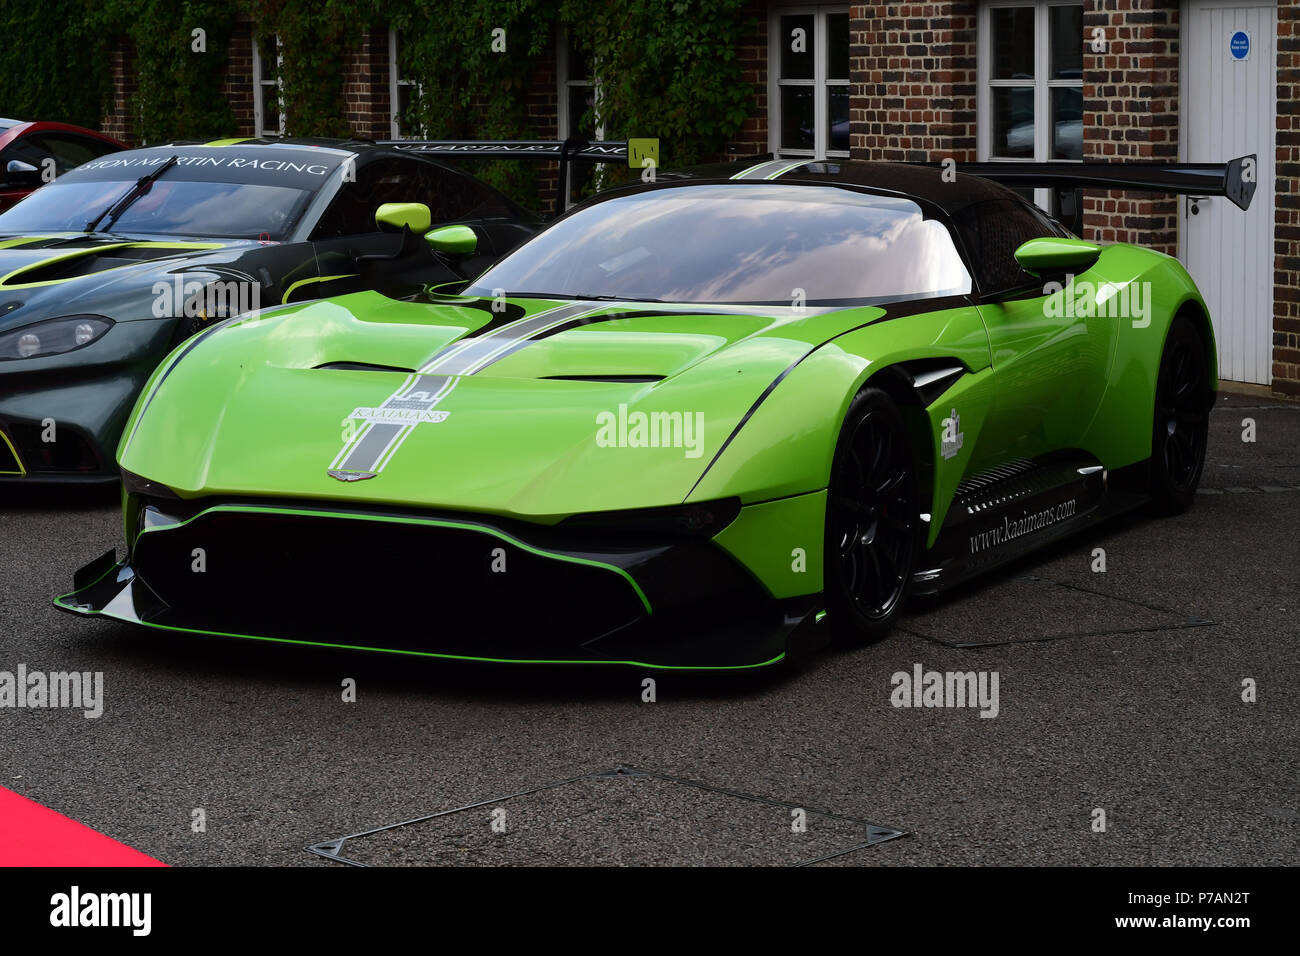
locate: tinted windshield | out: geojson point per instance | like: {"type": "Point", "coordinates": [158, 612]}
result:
{"type": "Point", "coordinates": [735, 243]}
{"type": "Point", "coordinates": [171, 207]}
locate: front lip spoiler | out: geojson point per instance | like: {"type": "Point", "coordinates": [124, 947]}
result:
{"type": "Point", "coordinates": [747, 639]}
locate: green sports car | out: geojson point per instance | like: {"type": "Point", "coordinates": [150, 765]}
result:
{"type": "Point", "coordinates": [703, 422]}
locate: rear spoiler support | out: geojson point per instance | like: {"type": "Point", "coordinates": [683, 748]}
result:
{"type": "Point", "coordinates": [564, 152]}
{"type": "Point", "coordinates": [1234, 179]}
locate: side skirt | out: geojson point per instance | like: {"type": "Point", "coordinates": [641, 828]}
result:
{"type": "Point", "coordinates": [1022, 506]}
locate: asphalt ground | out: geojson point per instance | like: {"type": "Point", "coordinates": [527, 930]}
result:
{"type": "Point", "coordinates": [1119, 691]}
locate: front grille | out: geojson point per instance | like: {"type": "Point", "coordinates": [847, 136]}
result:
{"type": "Point", "coordinates": [69, 451]}
{"type": "Point", "coordinates": [370, 583]}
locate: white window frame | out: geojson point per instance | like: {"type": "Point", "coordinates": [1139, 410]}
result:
{"type": "Point", "coordinates": [1042, 84]}
{"type": "Point", "coordinates": [565, 124]}
{"type": "Point", "coordinates": [820, 83]}
{"type": "Point", "coordinates": [262, 84]}
{"type": "Point", "coordinates": [395, 82]}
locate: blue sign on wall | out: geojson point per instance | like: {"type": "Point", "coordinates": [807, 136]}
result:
{"type": "Point", "coordinates": [1239, 45]}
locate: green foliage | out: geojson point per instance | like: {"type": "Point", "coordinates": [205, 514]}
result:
{"type": "Point", "coordinates": [316, 38]}
{"type": "Point", "coordinates": [471, 88]}
{"type": "Point", "coordinates": [52, 63]}
{"type": "Point", "coordinates": [179, 89]}
{"type": "Point", "coordinates": [667, 69]}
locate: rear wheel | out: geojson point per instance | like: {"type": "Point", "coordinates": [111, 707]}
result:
{"type": "Point", "coordinates": [871, 519]}
{"type": "Point", "coordinates": [1181, 426]}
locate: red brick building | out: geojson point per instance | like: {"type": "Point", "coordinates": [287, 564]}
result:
{"type": "Point", "coordinates": [982, 80]}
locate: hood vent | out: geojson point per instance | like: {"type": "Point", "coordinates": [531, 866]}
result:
{"type": "Point", "coordinates": [619, 379]}
{"type": "Point", "coordinates": [364, 367]}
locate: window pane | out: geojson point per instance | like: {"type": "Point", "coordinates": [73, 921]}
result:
{"type": "Point", "coordinates": [796, 42]}
{"type": "Point", "coordinates": [270, 112]}
{"type": "Point", "coordinates": [1013, 43]}
{"type": "Point", "coordinates": [837, 46]}
{"type": "Point", "coordinates": [796, 117]}
{"type": "Point", "coordinates": [268, 58]}
{"type": "Point", "coordinates": [839, 116]}
{"type": "Point", "coordinates": [1067, 122]}
{"type": "Point", "coordinates": [1013, 121]}
{"type": "Point", "coordinates": [1067, 43]}
{"type": "Point", "coordinates": [577, 61]}
{"type": "Point", "coordinates": [582, 119]}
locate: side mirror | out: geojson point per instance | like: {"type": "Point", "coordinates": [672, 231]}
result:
{"type": "Point", "coordinates": [1042, 257]}
{"type": "Point", "coordinates": [413, 215]}
{"type": "Point", "coordinates": [453, 240]}
{"type": "Point", "coordinates": [16, 171]}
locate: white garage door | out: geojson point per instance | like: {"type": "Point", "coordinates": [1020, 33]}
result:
{"type": "Point", "coordinates": [1229, 71]}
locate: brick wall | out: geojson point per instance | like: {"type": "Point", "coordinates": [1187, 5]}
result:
{"type": "Point", "coordinates": [237, 82]}
{"type": "Point", "coordinates": [1130, 112]}
{"type": "Point", "coordinates": [912, 81]}
{"type": "Point", "coordinates": [543, 119]}
{"type": "Point", "coordinates": [365, 87]}
{"type": "Point", "coordinates": [752, 140]}
{"type": "Point", "coordinates": [1286, 235]}
{"type": "Point", "coordinates": [118, 122]}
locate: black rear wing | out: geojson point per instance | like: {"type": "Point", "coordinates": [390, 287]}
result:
{"type": "Point", "coordinates": [1234, 179]}
{"type": "Point", "coordinates": [562, 151]}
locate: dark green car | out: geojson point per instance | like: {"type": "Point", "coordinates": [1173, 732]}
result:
{"type": "Point", "coordinates": [105, 270]}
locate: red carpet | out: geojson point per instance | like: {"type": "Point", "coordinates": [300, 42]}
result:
{"type": "Point", "coordinates": [33, 835]}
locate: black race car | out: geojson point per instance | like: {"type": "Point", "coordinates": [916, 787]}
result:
{"type": "Point", "coordinates": [108, 268]}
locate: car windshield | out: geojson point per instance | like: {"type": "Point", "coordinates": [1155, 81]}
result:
{"type": "Point", "coordinates": [169, 208]}
{"type": "Point", "coordinates": [738, 243]}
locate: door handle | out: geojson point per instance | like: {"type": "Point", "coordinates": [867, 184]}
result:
{"type": "Point", "coordinates": [1194, 204]}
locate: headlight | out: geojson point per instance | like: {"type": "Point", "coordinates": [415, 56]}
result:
{"type": "Point", "coordinates": [53, 336]}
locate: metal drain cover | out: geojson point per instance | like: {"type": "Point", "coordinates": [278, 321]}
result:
{"type": "Point", "coordinates": [620, 817]}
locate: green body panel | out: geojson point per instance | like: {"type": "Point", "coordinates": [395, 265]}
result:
{"type": "Point", "coordinates": [808, 406]}
{"type": "Point", "coordinates": [781, 543]}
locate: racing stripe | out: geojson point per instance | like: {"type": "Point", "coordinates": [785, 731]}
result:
{"type": "Point", "coordinates": [375, 443]}
{"type": "Point", "coordinates": [770, 169]}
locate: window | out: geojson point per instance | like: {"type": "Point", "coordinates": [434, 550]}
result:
{"type": "Point", "coordinates": [808, 95]}
{"type": "Point", "coordinates": [578, 89]}
{"type": "Point", "coordinates": [401, 92]}
{"type": "Point", "coordinates": [268, 92]}
{"type": "Point", "coordinates": [449, 195]}
{"type": "Point", "coordinates": [993, 231]}
{"type": "Point", "coordinates": [739, 243]}
{"type": "Point", "coordinates": [68, 150]}
{"type": "Point", "coordinates": [1031, 84]}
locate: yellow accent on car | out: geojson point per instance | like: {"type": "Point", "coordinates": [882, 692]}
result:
{"type": "Point", "coordinates": [8, 282]}
{"type": "Point", "coordinates": [289, 291]}
{"type": "Point", "coordinates": [13, 451]}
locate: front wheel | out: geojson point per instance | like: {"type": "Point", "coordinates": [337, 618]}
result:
{"type": "Point", "coordinates": [871, 519]}
{"type": "Point", "coordinates": [1181, 427]}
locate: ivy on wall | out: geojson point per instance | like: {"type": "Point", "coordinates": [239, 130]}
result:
{"type": "Point", "coordinates": [472, 60]}
{"type": "Point", "coordinates": [52, 62]}
{"type": "Point", "coordinates": [315, 39]}
{"type": "Point", "coordinates": [180, 58]}
{"type": "Point", "coordinates": [664, 68]}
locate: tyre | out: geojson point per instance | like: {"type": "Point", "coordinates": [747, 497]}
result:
{"type": "Point", "coordinates": [871, 520]}
{"type": "Point", "coordinates": [1180, 428]}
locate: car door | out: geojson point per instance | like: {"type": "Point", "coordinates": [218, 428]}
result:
{"type": "Point", "coordinates": [1049, 361]}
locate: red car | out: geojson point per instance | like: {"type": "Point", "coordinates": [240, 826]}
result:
{"type": "Point", "coordinates": [26, 147]}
